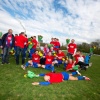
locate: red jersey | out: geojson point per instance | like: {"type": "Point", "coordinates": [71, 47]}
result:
{"type": "Point", "coordinates": [26, 42]}
{"type": "Point", "coordinates": [76, 58]}
{"type": "Point", "coordinates": [20, 40]}
{"type": "Point", "coordinates": [9, 40]}
{"type": "Point", "coordinates": [34, 41]}
{"type": "Point", "coordinates": [60, 55]}
{"type": "Point", "coordinates": [71, 48]}
{"type": "Point", "coordinates": [16, 40]}
{"type": "Point", "coordinates": [58, 43]}
{"type": "Point", "coordinates": [45, 50]}
{"type": "Point", "coordinates": [69, 66]}
{"type": "Point", "coordinates": [36, 58]}
{"type": "Point", "coordinates": [49, 59]}
{"type": "Point", "coordinates": [52, 42]}
{"type": "Point", "coordinates": [55, 77]}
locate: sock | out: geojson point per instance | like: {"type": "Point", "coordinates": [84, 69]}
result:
{"type": "Point", "coordinates": [52, 68]}
{"type": "Point", "coordinates": [65, 65]}
{"type": "Point", "coordinates": [74, 73]}
{"type": "Point", "coordinates": [81, 78]}
{"type": "Point", "coordinates": [26, 65]}
{"type": "Point", "coordinates": [41, 74]}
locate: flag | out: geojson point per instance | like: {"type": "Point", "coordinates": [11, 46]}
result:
{"type": "Point", "coordinates": [0, 34]}
{"type": "Point", "coordinates": [67, 41]}
{"type": "Point", "coordinates": [40, 38]}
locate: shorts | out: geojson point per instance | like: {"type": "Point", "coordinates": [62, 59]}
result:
{"type": "Point", "coordinates": [48, 66]}
{"type": "Point", "coordinates": [35, 65]}
{"type": "Point", "coordinates": [65, 75]}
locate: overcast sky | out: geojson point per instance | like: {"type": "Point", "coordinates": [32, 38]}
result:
{"type": "Point", "coordinates": [78, 19]}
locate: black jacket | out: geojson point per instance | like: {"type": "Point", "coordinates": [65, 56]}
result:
{"type": "Point", "coordinates": [4, 40]}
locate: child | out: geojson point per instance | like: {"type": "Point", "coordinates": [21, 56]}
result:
{"type": "Point", "coordinates": [51, 78]}
{"type": "Point", "coordinates": [81, 62]}
{"type": "Point", "coordinates": [71, 66]}
{"type": "Point", "coordinates": [34, 62]}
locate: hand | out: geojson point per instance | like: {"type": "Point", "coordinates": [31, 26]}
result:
{"type": "Point", "coordinates": [35, 83]}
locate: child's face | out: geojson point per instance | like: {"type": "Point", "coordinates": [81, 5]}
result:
{"type": "Point", "coordinates": [78, 52]}
{"type": "Point", "coordinates": [51, 48]}
{"type": "Point", "coordinates": [81, 54]}
{"type": "Point", "coordinates": [70, 60]}
{"type": "Point", "coordinates": [46, 78]}
{"type": "Point", "coordinates": [59, 51]}
{"type": "Point", "coordinates": [36, 52]}
{"type": "Point", "coordinates": [49, 54]}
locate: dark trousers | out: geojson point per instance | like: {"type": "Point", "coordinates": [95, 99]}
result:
{"type": "Point", "coordinates": [18, 51]}
{"type": "Point", "coordinates": [82, 65]}
{"type": "Point", "coordinates": [5, 57]}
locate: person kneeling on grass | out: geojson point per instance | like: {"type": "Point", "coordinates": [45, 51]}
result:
{"type": "Point", "coordinates": [49, 65]}
{"type": "Point", "coordinates": [59, 77]}
{"type": "Point", "coordinates": [72, 67]}
{"type": "Point", "coordinates": [34, 62]}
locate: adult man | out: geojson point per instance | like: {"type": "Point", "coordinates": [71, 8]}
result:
{"type": "Point", "coordinates": [51, 78]}
{"type": "Point", "coordinates": [7, 44]}
{"type": "Point", "coordinates": [72, 48]}
{"type": "Point", "coordinates": [21, 39]}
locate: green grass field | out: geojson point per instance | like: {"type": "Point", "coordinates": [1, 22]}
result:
{"type": "Point", "coordinates": [13, 85]}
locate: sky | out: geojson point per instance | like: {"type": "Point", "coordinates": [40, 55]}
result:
{"type": "Point", "coordinates": [63, 19]}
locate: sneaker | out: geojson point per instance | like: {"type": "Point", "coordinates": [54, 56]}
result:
{"type": "Point", "coordinates": [87, 66]}
{"type": "Point", "coordinates": [2, 63]}
{"type": "Point", "coordinates": [90, 64]}
{"type": "Point", "coordinates": [78, 73]}
{"type": "Point", "coordinates": [22, 67]}
{"type": "Point", "coordinates": [7, 63]}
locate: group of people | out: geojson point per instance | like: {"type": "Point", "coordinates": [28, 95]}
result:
{"type": "Point", "coordinates": [47, 57]}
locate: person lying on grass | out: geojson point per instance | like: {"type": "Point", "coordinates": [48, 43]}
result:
{"type": "Point", "coordinates": [51, 78]}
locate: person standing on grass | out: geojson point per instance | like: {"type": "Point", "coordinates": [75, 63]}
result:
{"type": "Point", "coordinates": [25, 46]}
{"type": "Point", "coordinates": [21, 39]}
{"type": "Point", "coordinates": [33, 49]}
{"type": "Point", "coordinates": [72, 48]}
{"type": "Point", "coordinates": [7, 44]}
{"type": "Point", "coordinates": [51, 78]}
{"type": "Point", "coordinates": [15, 46]}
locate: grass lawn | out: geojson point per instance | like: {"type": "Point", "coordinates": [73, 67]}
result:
{"type": "Point", "coordinates": [13, 85]}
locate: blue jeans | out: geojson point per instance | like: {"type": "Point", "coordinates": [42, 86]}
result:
{"type": "Point", "coordinates": [18, 51]}
{"type": "Point", "coordinates": [5, 57]}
